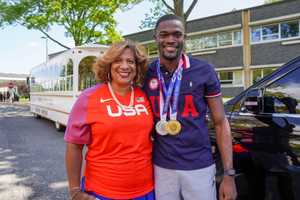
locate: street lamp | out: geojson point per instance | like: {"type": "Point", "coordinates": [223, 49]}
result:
{"type": "Point", "coordinates": [46, 40]}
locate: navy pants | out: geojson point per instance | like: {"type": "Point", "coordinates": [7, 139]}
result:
{"type": "Point", "coordinates": [148, 196]}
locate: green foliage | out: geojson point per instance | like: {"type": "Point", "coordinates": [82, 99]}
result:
{"type": "Point", "coordinates": [158, 10]}
{"type": "Point", "coordinates": [162, 7]}
{"type": "Point", "coordinates": [86, 21]}
{"type": "Point", "coordinates": [271, 1]}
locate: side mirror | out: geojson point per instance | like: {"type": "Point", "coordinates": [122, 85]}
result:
{"type": "Point", "coordinates": [252, 101]}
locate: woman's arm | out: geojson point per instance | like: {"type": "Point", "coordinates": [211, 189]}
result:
{"type": "Point", "coordinates": [73, 164]}
{"type": "Point", "coordinates": [73, 159]}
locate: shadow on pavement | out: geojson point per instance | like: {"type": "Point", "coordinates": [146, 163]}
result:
{"type": "Point", "coordinates": [31, 157]}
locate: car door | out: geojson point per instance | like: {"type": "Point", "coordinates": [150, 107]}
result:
{"type": "Point", "coordinates": [281, 100]}
{"type": "Point", "coordinates": [271, 140]}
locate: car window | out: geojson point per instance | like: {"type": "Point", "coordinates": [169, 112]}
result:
{"type": "Point", "coordinates": [283, 95]}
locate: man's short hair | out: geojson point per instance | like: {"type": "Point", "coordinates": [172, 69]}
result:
{"type": "Point", "coordinates": [167, 18]}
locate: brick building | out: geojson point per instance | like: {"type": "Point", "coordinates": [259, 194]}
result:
{"type": "Point", "coordinates": [18, 81]}
{"type": "Point", "coordinates": [243, 45]}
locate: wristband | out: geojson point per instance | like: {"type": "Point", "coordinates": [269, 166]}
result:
{"type": "Point", "coordinates": [229, 172]}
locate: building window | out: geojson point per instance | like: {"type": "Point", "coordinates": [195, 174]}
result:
{"type": "Point", "coordinates": [289, 29]}
{"type": "Point", "coordinates": [210, 41]}
{"type": "Point", "coordinates": [255, 34]}
{"type": "Point", "coordinates": [270, 32]}
{"type": "Point", "coordinates": [238, 77]}
{"type": "Point", "coordinates": [237, 37]}
{"type": "Point", "coordinates": [152, 49]}
{"type": "Point", "coordinates": [226, 77]}
{"type": "Point", "coordinates": [258, 74]}
{"type": "Point", "coordinates": [275, 31]}
{"type": "Point", "coordinates": [231, 78]}
{"type": "Point", "coordinates": [225, 39]}
{"type": "Point", "coordinates": [194, 43]}
{"type": "Point", "coordinates": [200, 42]}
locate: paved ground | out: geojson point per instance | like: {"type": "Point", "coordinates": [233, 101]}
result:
{"type": "Point", "coordinates": [31, 157]}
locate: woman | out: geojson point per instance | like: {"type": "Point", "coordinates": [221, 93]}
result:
{"type": "Point", "coordinates": [114, 120]}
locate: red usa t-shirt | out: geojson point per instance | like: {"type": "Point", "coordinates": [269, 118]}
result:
{"type": "Point", "coordinates": [118, 159]}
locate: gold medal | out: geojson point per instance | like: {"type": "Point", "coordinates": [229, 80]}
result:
{"type": "Point", "coordinates": [173, 127]}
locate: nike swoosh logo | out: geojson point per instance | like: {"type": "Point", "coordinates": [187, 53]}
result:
{"type": "Point", "coordinates": [105, 100]}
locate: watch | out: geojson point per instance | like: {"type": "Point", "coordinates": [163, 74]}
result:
{"type": "Point", "coordinates": [229, 172]}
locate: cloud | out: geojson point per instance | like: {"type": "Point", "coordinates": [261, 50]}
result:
{"type": "Point", "coordinates": [33, 44]}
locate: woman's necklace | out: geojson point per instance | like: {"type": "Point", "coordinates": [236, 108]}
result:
{"type": "Point", "coordinates": [117, 101]}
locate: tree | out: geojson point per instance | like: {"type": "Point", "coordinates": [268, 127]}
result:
{"type": "Point", "coordinates": [162, 7]}
{"type": "Point", "coordinates": [85, 21]}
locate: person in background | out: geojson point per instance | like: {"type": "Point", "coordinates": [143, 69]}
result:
{"type": "Point", "coordinates": [180, 88]}
{"type": "Point", "coordinates": [11, 95]}
{"type": "Point", "coordinates": [114, 120]}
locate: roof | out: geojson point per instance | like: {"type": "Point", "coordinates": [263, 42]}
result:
{"type": "Point", "coordinates": [94, 45]}
{"type": "Point", "coordinates": [52, 55]}
{"type": "Point", "coordinates": [146, 35]}
{"type": "Point", "coordinates": [12, 76]}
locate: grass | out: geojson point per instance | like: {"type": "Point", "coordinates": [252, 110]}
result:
{"type": "Point", "coordinates": [226, 99]}
{"type": "Point", "coordinates": [23, 100]}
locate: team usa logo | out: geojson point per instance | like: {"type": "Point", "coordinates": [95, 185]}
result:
{"type": "Point", "coordinates": [119, 111]}
{"type": "Point", "coordinates": [153, 84]}
{"type": "Point", "coordinates": [140, 99]}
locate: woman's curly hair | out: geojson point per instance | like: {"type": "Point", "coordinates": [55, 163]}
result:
{"type": "Point", "coordinates": [102, 67]}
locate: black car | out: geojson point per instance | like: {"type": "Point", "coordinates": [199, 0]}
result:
{"type": "Point", "coordinates": [265, 125]}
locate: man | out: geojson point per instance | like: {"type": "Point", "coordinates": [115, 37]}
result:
{"type": "Point", "coordinates": [180, 88]}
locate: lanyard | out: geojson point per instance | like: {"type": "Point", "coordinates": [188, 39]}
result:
{"type": "Point", "coordinates": [172, 91]}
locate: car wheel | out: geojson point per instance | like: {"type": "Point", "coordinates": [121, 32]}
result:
{"type": "Point", "coordinates": [59, 127]}
{"type": "Point", "coordinates": [36, 116]}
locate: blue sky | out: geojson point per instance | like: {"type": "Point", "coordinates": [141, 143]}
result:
{"type": "Point", "coordinates": [22, 49]}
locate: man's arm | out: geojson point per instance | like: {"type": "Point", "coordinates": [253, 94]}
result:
{"type": "Point", "coordinates": [224, 142]}
{"type": "Point", "coordinates": [223, 135]}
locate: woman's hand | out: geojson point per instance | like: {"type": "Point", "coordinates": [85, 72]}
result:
{"type": "Point", "coordinates": [82, 196]}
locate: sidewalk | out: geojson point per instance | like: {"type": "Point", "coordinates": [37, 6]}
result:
{"type": "Point", "coordinates": [16, 103]}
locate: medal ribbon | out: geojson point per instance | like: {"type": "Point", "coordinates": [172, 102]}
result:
{"type": "Point", "coordinates": [173, 114]}
{"type": "Point", "coordinates": [166, 94]}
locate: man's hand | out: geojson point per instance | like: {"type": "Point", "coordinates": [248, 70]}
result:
{"type": "Point", "coordinates": [227, 190]}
